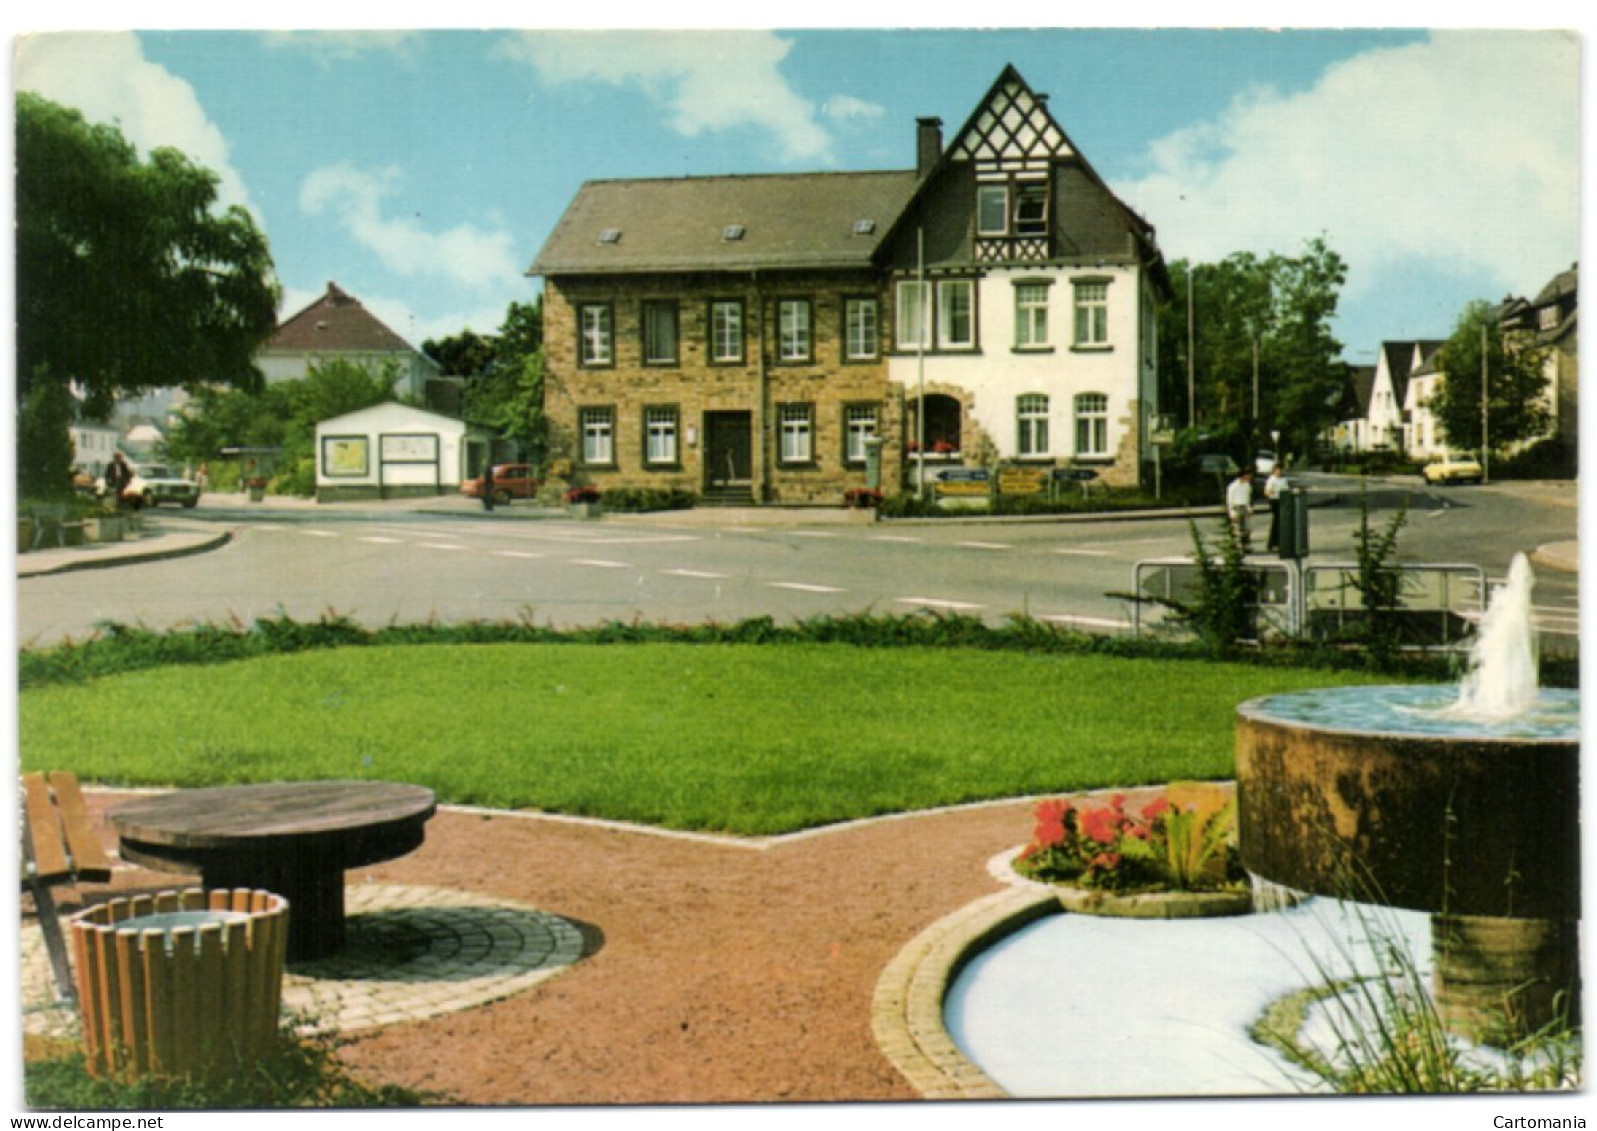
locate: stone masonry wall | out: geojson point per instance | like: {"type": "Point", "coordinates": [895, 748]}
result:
{"type": "Point", "coordinates": [695, 385]}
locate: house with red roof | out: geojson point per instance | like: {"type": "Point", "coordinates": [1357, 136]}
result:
{"type": "Point", "coordinates": [337, 326]}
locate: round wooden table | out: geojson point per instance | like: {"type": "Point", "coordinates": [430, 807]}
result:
{"type": "Point", "coordinates": [295, 839]}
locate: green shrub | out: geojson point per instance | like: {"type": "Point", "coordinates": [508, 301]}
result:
{"type": "Point", "coordinates": [298, 1071]}
{"type": "Point", "coordinates": [644, 499]}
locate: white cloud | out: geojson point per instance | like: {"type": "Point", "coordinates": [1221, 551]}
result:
{"type": "Point", "coordinates": [847, 108]}
{"type": "Point", "coordinates": [105, 76]}
{"type": "Point", "coordinates": [465, 254]}
{"type": "Point", "coordinates": [1461, 154]}
{"type": "Point", "coordinates": [707, 81]}
{"type": "Point", "coordinates": [329, 47]}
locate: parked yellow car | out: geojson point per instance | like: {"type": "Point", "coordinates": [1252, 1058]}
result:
{"type": "Point", "coordinates": [1454, 467]}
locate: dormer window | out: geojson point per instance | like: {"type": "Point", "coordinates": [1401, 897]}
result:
{"type": "Point", "coordinates": [1031, 209]}
{"type": "Point", "coordinates": [732, 232]}
{"type": "Point", "coordinates": [610, 235]}
{"type": "Point", "coordinates": [864, 227]}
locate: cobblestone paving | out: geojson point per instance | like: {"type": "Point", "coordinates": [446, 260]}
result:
{"type": "Point", "coordinates": [411, 953]}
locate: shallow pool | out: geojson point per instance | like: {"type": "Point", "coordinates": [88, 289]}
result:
{"type": "Point", "coordinates": [1080, 1005]}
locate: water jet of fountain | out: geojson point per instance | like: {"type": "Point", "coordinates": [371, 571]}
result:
{"type": "Point", "coordinates": [1502, 681]}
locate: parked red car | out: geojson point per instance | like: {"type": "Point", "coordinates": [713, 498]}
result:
{"type": "Point", "coordinates": [511, 481]}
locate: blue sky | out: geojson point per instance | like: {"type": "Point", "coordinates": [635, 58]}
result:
{"type": "Point", "coordinates": [423, 170]}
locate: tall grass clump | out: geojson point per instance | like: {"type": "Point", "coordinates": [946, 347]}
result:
{"type": "Point", "coordinates": [299, 1070]}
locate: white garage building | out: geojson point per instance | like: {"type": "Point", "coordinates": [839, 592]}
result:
{"type": "Point", "coordinates": [392, 451]}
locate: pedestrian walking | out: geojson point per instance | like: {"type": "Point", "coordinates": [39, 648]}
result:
{"type": "Point", "coordinates": [117, 477]}
{"type": "Point", "coordinates": [488, 486]}
{"type": "Point", "coordinates": [1273, 487]}
{"type": "Point", "coordinates": [1239, 507]}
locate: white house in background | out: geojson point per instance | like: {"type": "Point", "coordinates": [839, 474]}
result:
{"type": "Point", "coordinates": [1387, 420]}
{"type": "Point", "coordinates": [1425, 436]}
{"type": "Point", "coordinates": [391, 451]}
{"type": "Point", "coordinates": [1351, 433]}
{"type": "Point", "coordinates": [93, 445]}
{"type": "Point", "coordinates": [337, 326]}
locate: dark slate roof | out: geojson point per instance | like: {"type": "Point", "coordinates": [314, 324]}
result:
{"type": "Point", "coordinates": [1360, 387]}
{"type": "Point", "coordinates": [336, 323]}
{"type": "Point", "coordinates": [804, 220]}
{"type": "Point", "coordinates": [1563, 283]}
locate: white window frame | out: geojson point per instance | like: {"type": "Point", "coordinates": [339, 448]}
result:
{"type": "Point", "coordinates": [1090, 301]}
{"type": "Point", "coordinates": [597, 333]}
{"type": "Point", "coordinates": [947, 315]}
{"type": "Point", "coordinates": [860, 422]}
{"type": "Point", "coordinates": [861, 334]}
{"type": "Point", "coordinates": [992, 200]}
{"type": "Point", "coordinates": [598, 427]}
{"type": "Point", "coordinates": [660, 435]}
{"type": "Point", "coordinates": [795, 330]}
{"type": "Point", "coordinates": [1036, 225]}
{"type": "Point", "coordinates": [1031, 425]}
{"type": "Point", "coordinates": [726, 332]}
{"type": "Point", "coordinates": [1092, 424]}
{"type": "Point", "coordinates": [1031, 316]}
{"type": "Point", "coordinates": [914, 315]}
{"type": "Point", "coordinates": [796, 424]}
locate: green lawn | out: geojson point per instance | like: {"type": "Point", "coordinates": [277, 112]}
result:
{"type": "Point", "coordinates": [738, 738]}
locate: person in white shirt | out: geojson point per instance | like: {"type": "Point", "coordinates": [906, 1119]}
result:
{"type": "Point", "coordinates": [1273, 487]}
{"type": "Point", "coordinates": [1239, 505]}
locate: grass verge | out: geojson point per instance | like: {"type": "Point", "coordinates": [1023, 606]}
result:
{"type": "Point", "coordinates": [730, 737]}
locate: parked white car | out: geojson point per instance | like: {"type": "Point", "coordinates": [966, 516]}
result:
{"type": "Point", "coordinates": [155, 483]}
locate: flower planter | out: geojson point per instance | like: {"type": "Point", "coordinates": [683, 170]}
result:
{"type": "Point", "coordinates": [583, 510]}
{"type": "Point", "coordinates": [103, 529]}
{"type": "Point", "coordinates": [256, 493]}
{"type": "Point", "coordinates": [1155, 904]}
{"type": "Point", "coordinates": [181, 983]}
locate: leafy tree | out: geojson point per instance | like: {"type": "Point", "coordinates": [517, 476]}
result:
{"type": "Point", "coordinates": [1269, 315]}
{"type": "Point", "coordinates": [129, 277]}
{"type": "Point", "coordinates": [1516, 383]}
{"type": "Point", "coordinates": [504, 375]}
{"type": "Point", "coordinates": [282, 415]}
{"type": "Point", "coordinates": [44, 442]}
{"type": "Point", "coordinates": [466, 354]}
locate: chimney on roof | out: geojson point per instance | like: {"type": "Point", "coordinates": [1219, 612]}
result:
{"type": "Point", "coordinates": [928, 144]}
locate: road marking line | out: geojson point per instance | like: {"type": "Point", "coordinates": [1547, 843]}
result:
{"type": "Point", "coordinates": [319, 533]}
{"type": "Point", "coordinates": [1096, 622]}
{"type": "Point", "coordinates": [895, 538]}
{"type": "Point", "coordinates": [803, 588]}
{"type": "Point", "coordinates": [1084, 553]}
{"type": "Point", "coordinates": [379, 540]}
{"type": "Point", "coordinates": [814, 534]}
{"type": "Point", "coordinates": [935, 603]}
{"type": "Point", "coordinates": [704, 575]}
{"type": "Point", "coordinates": [600, 563]}
{"type": "Point", "coordinates": [985, 545]}
{"type": "Point", "coordinates": [440, 546]}
{"type": "Point", "coordinates": [516, 554]}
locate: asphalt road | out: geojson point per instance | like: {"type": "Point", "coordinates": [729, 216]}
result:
{"type": "Point", "coordinates": [453, 563]}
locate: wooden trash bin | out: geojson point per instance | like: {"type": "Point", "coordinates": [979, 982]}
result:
{"type": "Point", "coordinates": [181, 983]}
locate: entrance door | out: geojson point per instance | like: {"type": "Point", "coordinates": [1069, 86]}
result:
{"type": "Point", "coordinates": [728, 449]}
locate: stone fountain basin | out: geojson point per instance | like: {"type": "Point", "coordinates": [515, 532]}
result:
{"type": "Point", "coordinates": [1476, 824]}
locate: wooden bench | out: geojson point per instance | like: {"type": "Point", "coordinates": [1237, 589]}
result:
{"type": "Point", "coordinates": [46, 518]}
{"type": "Point", "coordinates": [59, 848]}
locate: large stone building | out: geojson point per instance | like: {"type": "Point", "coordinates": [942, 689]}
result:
{"type": "Point", "coordinates": [757, 336]}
